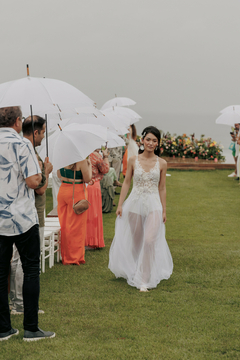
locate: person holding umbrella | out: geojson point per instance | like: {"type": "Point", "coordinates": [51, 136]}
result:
{"type": "Point", "coordinates": [94, 233]}
{"type": "Point", "coordinates": [16, 277]}
{"type": "Point", "coordinates": [20, 174]}
{"type": "Point", "coordinates": [73, 226]}
{"type": "Point", "coordinates": [235, 152]}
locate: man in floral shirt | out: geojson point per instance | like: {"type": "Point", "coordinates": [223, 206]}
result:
{"type": "Point", "coordinates": [16, 278]}
{"type": "Point", "coordinates": [20, 174]}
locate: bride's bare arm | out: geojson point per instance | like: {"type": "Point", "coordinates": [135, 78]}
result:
{"type": "Point", "coordinates": [162, 187]}
{"type": "Point", "coordinates": [126, 184]}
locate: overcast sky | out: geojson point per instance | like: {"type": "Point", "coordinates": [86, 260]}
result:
{"type": "Point", "coordinates": [170, 56]}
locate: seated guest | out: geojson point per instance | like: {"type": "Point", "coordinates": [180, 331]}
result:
{"type": "Point", "coordinates": [94, 233]}
{"type": "Point", "coordinates": [73, 226]}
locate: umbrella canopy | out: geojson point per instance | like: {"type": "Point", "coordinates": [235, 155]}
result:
{"type": "Point", "coordinates": [231, 109]}
{"type": "Point", "coordinates": [73, 143]}
{"type": "Point", "coordinates": [124, 112]}
{"type": "Point", "coordinates": [121, 131]}
{"type": "Point", "coordinates": [113, 140]}
{"type": "Point", "coordinates": [111, 122]}
{"type": "Point", "coordinates": [118, 120]}
{"type": "Point", "coordinates": [118, 101]}
{"type": "Point", "coordinates": [45, 95]}
{"type": "Point", "coordinates": [228, 119]}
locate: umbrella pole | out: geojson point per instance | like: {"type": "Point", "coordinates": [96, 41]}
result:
{"type": "Point", "coordinates": [32, 126]}
{"type": "Point", "coordinates": [46, 136]}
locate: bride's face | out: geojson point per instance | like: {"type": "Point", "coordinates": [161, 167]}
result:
{"type": "Point", "coordinates": [150, 142]}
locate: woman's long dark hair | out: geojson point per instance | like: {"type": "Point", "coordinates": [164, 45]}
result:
{"type": "Point", "coordinates": [152, 130]}
{"type": "Point", "coordinates": [134, 132]}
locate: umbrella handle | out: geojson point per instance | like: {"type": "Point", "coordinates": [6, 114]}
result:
{"type": "Point", "coordinates": [46, 135]}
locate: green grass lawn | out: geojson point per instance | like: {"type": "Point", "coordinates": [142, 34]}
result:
{"type": "Point", "coordinates": [193, 315]}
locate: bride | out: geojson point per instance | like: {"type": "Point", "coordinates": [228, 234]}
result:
{"type": "Point", "coordinates": [139, 251]}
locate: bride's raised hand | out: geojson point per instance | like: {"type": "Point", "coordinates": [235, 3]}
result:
{"type": "Point", "coordinates": [119, 211]}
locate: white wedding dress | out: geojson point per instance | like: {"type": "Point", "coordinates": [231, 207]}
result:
{"type": "Point", "coordinates": [139, 251]}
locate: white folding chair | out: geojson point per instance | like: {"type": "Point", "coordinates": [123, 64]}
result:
{"type": "Point", "coordinates": [47, 246]}
{"type": "Point", "coordinates": [54, 226]}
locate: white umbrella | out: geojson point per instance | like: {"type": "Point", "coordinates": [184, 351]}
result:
{"type": "Point", "coordinates": [118, 101]}
{"type": "Point", "coordinates": [231, 109]}
{"type": "Point", "coordinates": [121, 131]}
{"type": "Point", "coordinates": [118, 120]}
{"type": "Point", "coordinates": [124, 112]}
{"type": "Point", "coordinates": [88, 110]}
{"type": "Point", "coordinates": [45, 95]}
{"type": "Point", "coordinates": [228, 119]}
{"type": "Point", "coordinates": [101, 119]}
{"type": "Point", "coordinates": [113, 140]}
{"type": "Point", "coordinates": [73, 143]}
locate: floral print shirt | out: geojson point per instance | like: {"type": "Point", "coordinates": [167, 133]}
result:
{"type": "Point", "coordinates": [99, 167]}
{"type": "Point", "coordinates": [17, 201]}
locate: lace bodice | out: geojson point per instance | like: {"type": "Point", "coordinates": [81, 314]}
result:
{"type": "Point", "coordinates": [146, 181]}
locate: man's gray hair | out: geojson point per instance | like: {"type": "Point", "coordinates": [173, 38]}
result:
{"type": "Point", "coordinates": [8, 116]}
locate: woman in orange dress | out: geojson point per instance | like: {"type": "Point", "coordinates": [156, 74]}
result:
{"type": "Point", "coordinates": [94, 233]}
{"type": "Point", "coordinates": [73, 226]}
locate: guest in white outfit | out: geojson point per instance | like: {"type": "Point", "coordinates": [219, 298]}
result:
{"type": "Point", "coordinates": [132, 145]}
{"type": "Point", "coordinates": [235, 152]}
{"type": "Point", "coordinates": [139, 251]}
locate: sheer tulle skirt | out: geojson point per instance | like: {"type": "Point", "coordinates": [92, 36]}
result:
{"type": "Point", "coordinates": [139, 251]}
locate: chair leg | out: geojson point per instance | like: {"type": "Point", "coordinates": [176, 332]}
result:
{"type": "Point", "coordinates": [52, 249]}
{"type": "Point", "coordinates": [43, 257]}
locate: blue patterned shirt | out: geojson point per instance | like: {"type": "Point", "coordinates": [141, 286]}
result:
{"type": "Point", "coordinates": [17, 201]}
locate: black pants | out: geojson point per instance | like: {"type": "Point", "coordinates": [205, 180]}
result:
{"type": "Point", "coordinates": [28, 245]}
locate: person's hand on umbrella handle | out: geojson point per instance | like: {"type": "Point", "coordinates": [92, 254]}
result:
{"type": "Point", "coordinates": [105, 153]}
{"type": "Point", "coordinates": [40, 164]}
{"type": "Point", "coordinates": [47, 166]}
{"type": "Point", "coordinates": [119, 211]}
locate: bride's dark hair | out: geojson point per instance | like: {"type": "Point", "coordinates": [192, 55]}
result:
{"type": "Point", "coordinates": [152, 130]}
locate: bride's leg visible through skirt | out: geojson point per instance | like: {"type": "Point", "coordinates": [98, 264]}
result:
{"type": "Point", "coordinates": [151, 232]}
{"type": "Point", "coordinates": [136, 225]}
